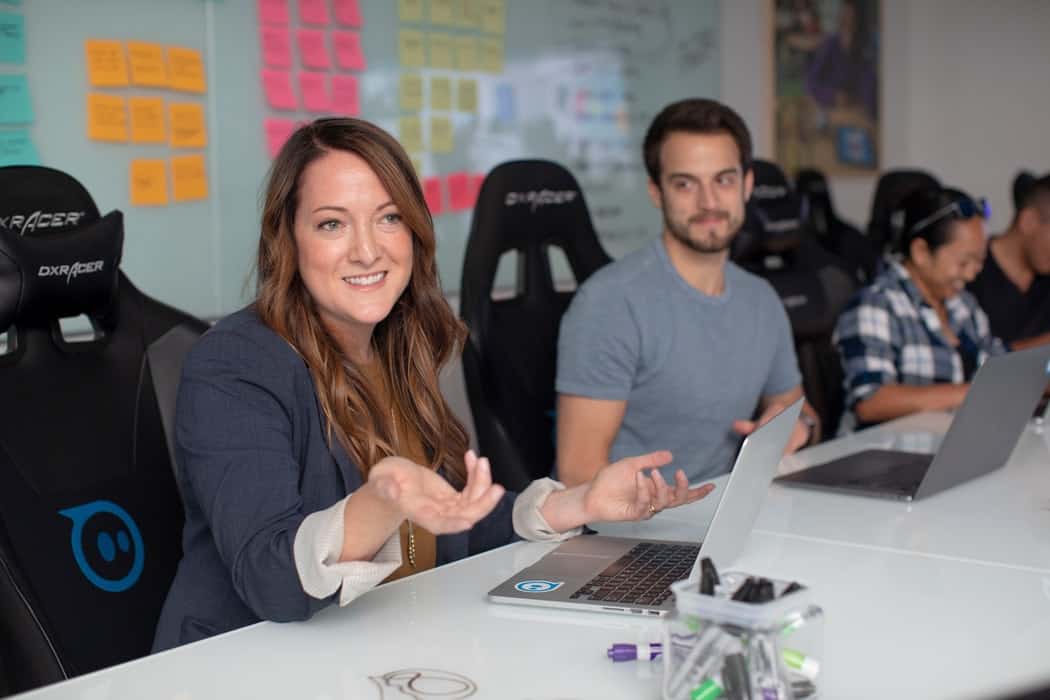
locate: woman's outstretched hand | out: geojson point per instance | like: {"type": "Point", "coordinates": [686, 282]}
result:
{"type": "Point", "coordinates": [421, 495]}
{"type": "Point", "coordinates": [621, 491]}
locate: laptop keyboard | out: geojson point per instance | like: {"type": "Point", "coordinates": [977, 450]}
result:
{"type": "Point", "coordinates": [642, 576]}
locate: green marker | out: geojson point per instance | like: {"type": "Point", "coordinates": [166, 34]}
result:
{"type": "Point", "coordinates": [805, 666]}
{"type": "Point", "coordinates": [708, 690]}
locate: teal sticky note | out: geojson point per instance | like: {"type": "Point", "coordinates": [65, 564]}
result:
{"type": "Point", "coordinates": [17, 148]}
{"type": "Point", "coordinates": [15, 107]}
{"type": "Point", "coordinates": [14, 3]}
{"type": "Point", "coordinates": [12, 38]}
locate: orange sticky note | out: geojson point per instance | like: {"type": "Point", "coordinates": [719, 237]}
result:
{"type": "Point", "coordinates": [189, 178]}
{"type": "Point", "coordinates": [345, 96]}
{"type": "Point", "coordinates": [107, 117]}
{"type": "Point", "coordinates": [313, 11]}
{"type": "Point", "coordinates": [147, 64]}
{"type": "Point", "coordinates": [312, 50]}
{"type": "Point", "coordinates": [186, 69]}
{"type": "Point", "coordinates": [277, 84]}
{"type": "Point", "coordinates": [276, 47]}
{"type": "Point", "coordinates": [188, 129]}
{"type": "Point", "coordinates": [314, 90]}
{"type": "Point", "coordinates": [148, 181]}
{"type": "Point", "coordinates": [105, 63]}
{"type": "Point", "coordinates": [147, 119]}
{"type": "Point", "coordinates": [348, 13]}
{"type": "Point", "coordinates": [277, 132]}
{"type": "Point", "coordinates": [348, 53]}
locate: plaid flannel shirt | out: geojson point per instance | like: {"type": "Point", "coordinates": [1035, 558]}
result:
{"type": "Point", "coordinates": [888, 334]}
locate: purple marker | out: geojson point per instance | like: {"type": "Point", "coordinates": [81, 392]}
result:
{"type": "Point", "coordinates": [630, 652]}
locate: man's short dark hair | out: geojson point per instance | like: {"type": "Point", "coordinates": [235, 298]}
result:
{"type": "Point", "coordinates": [698, 116]}
{"type": "Point", "coordinates": [1029, 191]}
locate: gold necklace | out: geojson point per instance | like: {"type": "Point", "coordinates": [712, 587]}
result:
{"type": "Point", "coordinates": [396, 440]}
{"type": "Point", "coordinates": [411, 546]}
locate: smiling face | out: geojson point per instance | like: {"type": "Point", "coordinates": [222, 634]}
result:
{"type": "Point", "coordinates": [702, 191]}
{"type": "Point", "coordinates": [951, 265]}
{"type": "Point", "coordinates": [355, 252]}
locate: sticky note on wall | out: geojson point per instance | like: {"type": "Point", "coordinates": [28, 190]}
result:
{"type": "Point", "coordinates": [17, 148]}
{"type": "Point", "coordinates": [273, 12]}
{"type": "Point", "coordinates": [491, 55]}
{"type": "Point", "coordinates": [188, 128]}
{"type": "Point", "coordinates": [107, 117]}
{"type": "Point", "coordinates": [147, 64]}
{"type": "Point", "coordinates": [466, 53]}
{"type": "Point", "coordinates": [348, 52]}
{"type": "Point", "coordinates": [410, 10]}
{"type": "Point", "coordinates": [441, 139]}
{"type": "Point", "coordinates": [467, 95]}
{"type": "Point", "coordinates": [189, 178]}
{"type": "Point", "coordinates": [440, 93]}
{"type": "Point", "coordinates": [148, 182]}
{"type": "Point", "coordinates": [348, 13]}
{"type": "Point", "coordinates": [410, 92]}
{"type": "Point", "coordinates": [492, 16]}
{"type": "Point", "coordinates": [12, 38]}
{"type": "Point", "coordinates": [15, 105]}
{"type": "Point", "coordinates": [312, 50]}
{"type": "Point", "coordinates": [410, 48]}
{"type": "Point", "coordinates": [277, 86]}
{"type": "Point", "coordinates": [432, 193]}
{"type": "Point", "coordinates": [441, 12]}
{"type": "Point", "coordinates": [147, 120]}
{"type": "Point", "coordinates": [440, 50]}
{"type": "Point", "coordinates": [411, 130]}
{"type": "Point", "coordinates": [276, 47]}
{"type": "Point", "coordinates": [345, 97]}
{"type": "Point", "coordinates": [313, 12]}
{"type": "Point", "coordinates": [186, 69]}
{"type": "Point", "coordinates": [106, 64]}
{"type": "Point", "coordinates": [313, 87]}
{"type": "Point", "coordinates": [277, 132]}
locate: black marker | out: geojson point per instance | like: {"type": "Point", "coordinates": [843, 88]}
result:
{"type": "Point", "coordinates": [708, 576]}
{"type": "Point", "coordinates": [763, 591]}
{"type": "Point", "coordinates": [746, 590]}
{"type": "Point", "coordinates": [791, 588]}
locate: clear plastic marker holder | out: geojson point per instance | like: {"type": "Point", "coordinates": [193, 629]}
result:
{"type": "Point", "coordinates": [715, 647]}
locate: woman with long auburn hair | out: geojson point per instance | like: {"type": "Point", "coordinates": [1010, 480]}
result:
{"type": "Point", "coordinates": [317, 456]}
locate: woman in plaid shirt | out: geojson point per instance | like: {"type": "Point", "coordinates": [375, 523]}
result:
{"type": "Point", "coordinates": [912, 340]}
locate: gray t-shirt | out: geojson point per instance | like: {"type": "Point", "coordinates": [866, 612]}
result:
{"type": "Point", "coordinates": [687, 364]}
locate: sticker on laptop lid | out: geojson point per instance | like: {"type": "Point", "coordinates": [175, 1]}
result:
{"type": "Point", "coordinates": [537, 586]}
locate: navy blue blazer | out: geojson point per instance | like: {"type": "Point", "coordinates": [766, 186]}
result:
{"type": "Point", "coordinates": [254, 462]}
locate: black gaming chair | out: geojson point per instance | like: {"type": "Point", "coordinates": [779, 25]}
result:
{"type": "Point", "coordinates": [893, 186]}
{"type": "Point", "coordinates": [813, 284]}
{"type": "Point", "coordinates": [90, 515]}
{"type": "Point", "coordinates": [509, 360]}
{"type": "Point", "coordinates": [837, 236]}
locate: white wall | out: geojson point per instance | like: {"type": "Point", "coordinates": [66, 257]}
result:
{"type": "Point", "coordinates": [965, 92]}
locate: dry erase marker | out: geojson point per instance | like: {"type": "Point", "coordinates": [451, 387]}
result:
{"type": "Point", "coordinates": [805, 666]}
{"type": "Point", "coordinates": [630, 652]}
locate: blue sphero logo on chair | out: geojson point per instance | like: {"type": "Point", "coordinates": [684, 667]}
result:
{"type": "Point", "coordinates": [107, 545]}
{"type": "Point", "coordinates": [537, 586]}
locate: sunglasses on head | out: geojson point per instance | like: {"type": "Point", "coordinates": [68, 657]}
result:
{"type": "Point", "coordinates": [963, 208]}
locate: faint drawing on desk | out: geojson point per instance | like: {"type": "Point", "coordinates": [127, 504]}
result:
{"type": "Point", "coordinates": [422, 683]}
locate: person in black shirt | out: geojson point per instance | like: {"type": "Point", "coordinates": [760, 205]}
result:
{"type": "Point", "coordinates": [1013, 287]}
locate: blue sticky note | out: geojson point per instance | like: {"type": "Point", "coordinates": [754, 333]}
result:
{"type": "Point", "coordinates": [17, 148]}
{"type": "Point", "coordinates": [506, 109]}
{"type": "Point", "coordinates": [12, 38]}
{"type": "Point", "coordinates": [15, 107]}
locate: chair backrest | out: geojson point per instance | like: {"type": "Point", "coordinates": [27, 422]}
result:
{"type": "Point", "coordinates": [528, 207]}
{"type": "Point", "coordinates": [90, 515]}
{"type": "Point", "coordinates": [813, 284]}
{"type": "Point", "coordinates": [892, 187]}
{"type": "Point", "coordinates": [834, 234]}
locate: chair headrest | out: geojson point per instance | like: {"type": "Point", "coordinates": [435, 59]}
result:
{"type": "Point", "coordinates": [57, 257]}
{"type": "Point", "coordinates": [773, 221]}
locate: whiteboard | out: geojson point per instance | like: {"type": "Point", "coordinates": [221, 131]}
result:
{"type": "Point", "coordinates": [578, 83]}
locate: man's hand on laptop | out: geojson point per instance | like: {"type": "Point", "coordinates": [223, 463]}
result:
{"type": "Point", "coordinates": [623, 490]}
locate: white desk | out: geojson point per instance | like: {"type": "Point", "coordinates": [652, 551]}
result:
{"type": "Point", "coordinates": [898, 618]}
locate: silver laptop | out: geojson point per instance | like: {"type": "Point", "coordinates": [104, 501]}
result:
{"type": "Point", "coordinates": [982, 435]}
{"type": "Point", "coordinates": [627, 575]}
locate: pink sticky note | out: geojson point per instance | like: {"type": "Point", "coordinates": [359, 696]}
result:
{"type": "Point", "coordinates": [277, 84]}
{"type": "Point", "coordinates": [276, 48]}
{"type": "Point", "coordinates": [273, 12]}
{"type": "Point", "coordinates": [312, 50]}
{"type": "Point", "coordinates": [432, 193]}
{"type": "Point", "coordinates": [277, 132]}
{"type": "Point", "coordinates": [345, 98]}
{"type": "Point", "coordinates": [459, 192]}
{"type": "Point", "coordinates": [348, 13]}
{"type": "Point", "coordinates": [314, 89]}
{"type": "Point", "coordinates": [313, 11]}
{"type": "Point", "coordinates": [348, 53]}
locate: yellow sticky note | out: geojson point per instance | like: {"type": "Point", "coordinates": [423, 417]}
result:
{"type": "Point", "coordinates": [440, 50]}
{"type": "Point", "coordinates": [186, 69]}
{"type": "Point", "coordinates": [107, 117]}
{"type": "Point", "coordinates": [147, 64]}
{"type": "Point", "coordinates": [188, 129]}
{"type": "Point", "coordinates": [189, 178]}
{"type": "Point", "coordinates": [491, 55]}
{"type": "Point", "coordinates": [492, 14]}
{"type": "Point", "coordinates": [147, 119]}
{"type": "Point", "coordinates": [148, 180]}
{"type": "Point", "coordinates": [440, 93]}
{"type": "Point", "coordinates": [441, 135]}
{"type": "Point", "coordinates": [411, 130]}
{"type": "Point", "coordinates": [441, 12]}
{"type": "Point", "coordinates": [410, 10]}
{"type": "Point", "coordinates": [105, 63]}
{"type": "Point", "coordinates": [467, 96]}
{"type": "Point", "coordinates": [411, 92]}
{"type": "Point", "coordinates": [410, 48]}
{"type": "Point", "coordinates": [468, 14]}
{"type": "Point", "coordinates": [466, 53]}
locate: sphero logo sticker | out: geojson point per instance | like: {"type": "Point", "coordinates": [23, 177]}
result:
{"type": "Point", "coordinates": [107, 545]}
{"type": "Point", "coordinates": [537, 586]}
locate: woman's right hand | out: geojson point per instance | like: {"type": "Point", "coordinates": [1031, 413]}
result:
{"type": "Point", "coordinates": [424, 497]}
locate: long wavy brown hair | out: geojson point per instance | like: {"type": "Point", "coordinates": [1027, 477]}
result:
{"type": "Point", "coordinates": [412, 343]}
